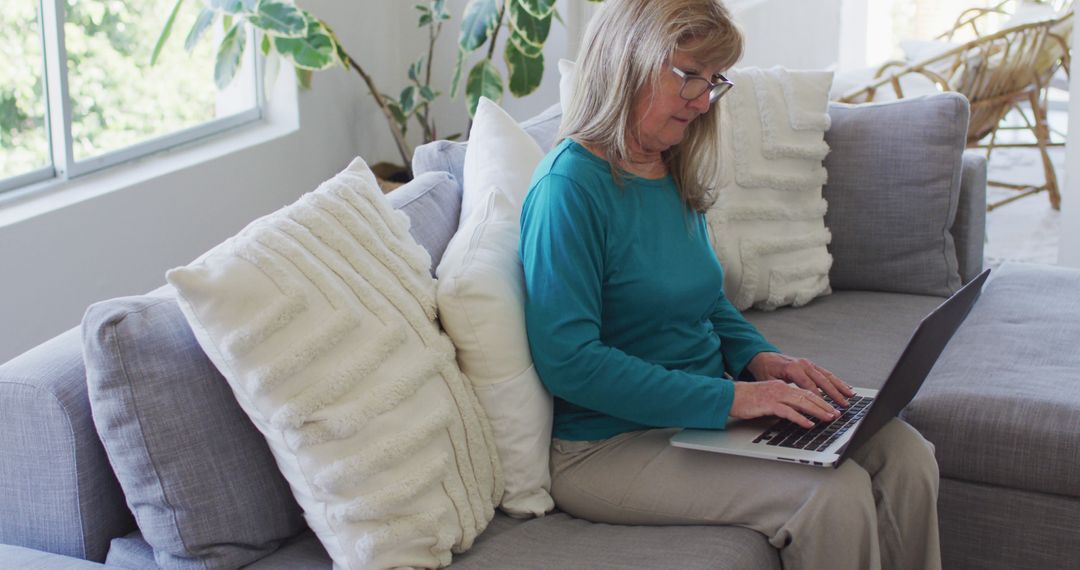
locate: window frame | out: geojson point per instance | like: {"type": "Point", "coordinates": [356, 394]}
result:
{"type": "Point", "coordinates": [63, 165]}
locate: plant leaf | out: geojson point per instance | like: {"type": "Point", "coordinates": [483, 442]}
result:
{"type": "Point", "coordinates": [457, 73]}
{"type": "Point", "coordinates": [524, 46]}
{"type": "Point", "coordinates": [408, 99]}
{"type": "Point", "coordinates": [525, 72]}
{"type": "Point", "coordinates": [395, 110]}
{"type": "Point", "coordinates": [266, 45]}
{"type": "Point", "coordinates": [205, 19]}
{"type": "Point", "coordinates": [427, 94]}
{"type": "Point", "coordinates": [414, 69]}
{"type": "Point", "coordinates": [484, 80]}
{"type": "Point", "coordinates": [480, 19]}
{"type": "Point", "coordinates": [229, 53]}
{"type": "Point", "coordinates": [454, 137]}
{"type": "Point", "coordinates": [425, 19]}
{"type": "Point", "coordinates": [534, 30]}
{"type": "Point", "coordinates": [303, 77]}
{"type": "Point", "coordinates": [279, 18]}
{"type": "Point", "coordinates": [538, 8]}
{"type": "Point", "coordinates": [228, 6]}
{"type": "Point", "coordinates": [165, 32]}
{"type": "Point", "coordinates": [317, 50]}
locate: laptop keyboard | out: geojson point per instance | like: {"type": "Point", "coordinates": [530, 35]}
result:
{"type": "Point", "coordinates": [784, 433]}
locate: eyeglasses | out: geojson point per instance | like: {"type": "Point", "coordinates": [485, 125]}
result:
{"type": "Point", "coordinates": [694, 85]}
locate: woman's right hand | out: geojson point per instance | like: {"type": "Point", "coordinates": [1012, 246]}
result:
{"type": "Point", "coordinates": [778, 398]}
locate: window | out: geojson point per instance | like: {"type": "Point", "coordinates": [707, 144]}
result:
{"type": "Point", "coordinates": [78, 93]}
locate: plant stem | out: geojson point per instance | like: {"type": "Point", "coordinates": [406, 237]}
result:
{"type": "Point", "coordinates": [395, 130]}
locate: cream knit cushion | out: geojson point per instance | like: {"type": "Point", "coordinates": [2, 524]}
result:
{"type": "Point", "coordinates": [481, 306]}
{"type": "Point", "coordinates": [767, 225]}
{"type": "Point", "coordinates": [481, 298]}
{"type": "Point", "coordinates": [321, 317]}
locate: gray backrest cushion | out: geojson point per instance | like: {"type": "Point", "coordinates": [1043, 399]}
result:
{"type": "Point", "coordinates": [432, 200]}
{"type": "Point", "coordinates": [893, 191]}
{"type": "Point", "coordinates": [969, 229]}
{"type": "Point", "coordinates": [205, 490]}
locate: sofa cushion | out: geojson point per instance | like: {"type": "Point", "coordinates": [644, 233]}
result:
{"type": "Point", "coordinates": [1000, 405]}
{"type": "Point", "coordinates": [858, 335]}
{"type": "Point", "coordinates": [481, 298]}
{"type": "Point", "coordinates": [433, 203]}
{"type": "Point", "coordinates": [197, 474]}
{"type": "Point", "coordinates": [561, 541]}
{"type": "Point", "coordinates": [767, 225]}
{"type": "Point", "coordinates": [29, 559]}
{"type": "Point", "coordinates": [321, 317]}
{"type": "Point", "coordinates": [893, 189]}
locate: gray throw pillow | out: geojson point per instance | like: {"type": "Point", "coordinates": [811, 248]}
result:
{"type": "Point", "coordinates": [199, 477]}
{"type": "Point", "coordinates": [894, 183]}
{"type": "Point", "coordinates": [432, 201]}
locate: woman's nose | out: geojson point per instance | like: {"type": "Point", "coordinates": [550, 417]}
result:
{"type": "Point", "coordinates": [700, 103]}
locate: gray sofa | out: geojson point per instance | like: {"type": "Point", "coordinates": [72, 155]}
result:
{"type": "Point", "coordinates": [907, 215]}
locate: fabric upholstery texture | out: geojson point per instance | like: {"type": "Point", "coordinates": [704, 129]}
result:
{"type": "Point", "coordinates": [197, 474]}
{"type": "Point", "coordinates": [433, 202]}
{"type": "Point", "coordinates": [24, 558]}
{"type": "Point", "coordinates": [767, 224]}
{"type": "Point", "coordinates": [481, 298]}
{"type": "Point", "coordinates": [561, 541]}
{"type": "Point", "coordinates": [65, 501]}
{"type": "Point", "coordinates": [131, 551]}
{"type": "Point", "coordinates": [893, 192]}
{"type": "Point", "coordinates": [321, 316]}
{"type": "Point", "coordinates": [988, 425]}
{"type": "Point", "coordinates": [971, 216]}
{"type": "Point", "coordinates": [858, 335]}
{"type": "Point", "coordinates": [987, 527]}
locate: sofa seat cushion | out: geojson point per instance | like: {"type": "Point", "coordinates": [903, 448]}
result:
{"type": "Point", "coordinates": [1002, 405]}
{"type": "Point", "coordinates": [29, 559]}
{"type": "Point", "coordinates": [858, 335]}
{"type": "Point", "coordinates": [561, 541]}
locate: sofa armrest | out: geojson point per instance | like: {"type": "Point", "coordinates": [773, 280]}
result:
{"type": "Point", "coordinates": [57, 491]}
{"type": "Point", "coordinates": [969, 229]}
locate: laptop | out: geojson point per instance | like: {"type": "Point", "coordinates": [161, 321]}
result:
{"type": "Point", "coordinates": [828, 444]}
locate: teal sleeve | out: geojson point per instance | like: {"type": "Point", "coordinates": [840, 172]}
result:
{"type": "Point", "coordinates": [562, 250]}
{"type": "Point", "coordinates": [740, 341]}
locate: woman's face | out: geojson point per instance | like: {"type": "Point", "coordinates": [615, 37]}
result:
{"type": "Point", "coordinates": [661, 114]}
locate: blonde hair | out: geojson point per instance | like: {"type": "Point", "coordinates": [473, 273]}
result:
{"type": "Point", "coordinates": [627, 46]}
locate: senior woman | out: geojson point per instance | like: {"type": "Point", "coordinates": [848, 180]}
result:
{"type": "Point", "coordinates": [630, 330]}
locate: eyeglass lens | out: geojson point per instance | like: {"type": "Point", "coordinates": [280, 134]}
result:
{"type": "Point", "coordinates": [693, 87]}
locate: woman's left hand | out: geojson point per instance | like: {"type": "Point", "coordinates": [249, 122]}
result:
{"type": "Point", "coordinates": [801, 372]}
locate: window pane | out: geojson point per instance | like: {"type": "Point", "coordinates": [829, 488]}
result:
{"type": "Point", "coordinates": [117, 98]}
{"type": "Point", "coordinates": [24, 144]}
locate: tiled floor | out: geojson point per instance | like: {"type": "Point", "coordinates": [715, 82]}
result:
{"type": "Point", "coordinates": [1028, 229]}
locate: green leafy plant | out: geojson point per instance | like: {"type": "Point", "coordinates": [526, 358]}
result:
{"type": "Point", "coordinates": [528, 23]}
{"type": "Point", "coordinates": [311, 45]}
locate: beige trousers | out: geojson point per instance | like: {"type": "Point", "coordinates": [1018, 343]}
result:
{"type": "Point", "coordinates": [877, 510]}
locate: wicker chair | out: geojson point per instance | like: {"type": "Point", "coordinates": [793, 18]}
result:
{"type": "Point", "coordinates": [999, 72]}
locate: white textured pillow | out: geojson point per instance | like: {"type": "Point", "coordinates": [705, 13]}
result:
{"type": "Point", "coordinates": [768, 224]}
{"type": "Point", "coordinates": [481, 298]}
{"type": "Point", "coordinates": [500, 154]}
{"type": "Point", "coordinates": [321, 317]}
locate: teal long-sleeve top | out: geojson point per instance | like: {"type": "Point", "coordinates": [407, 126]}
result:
{"type": "Point", "coordinates": [627, 320]}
